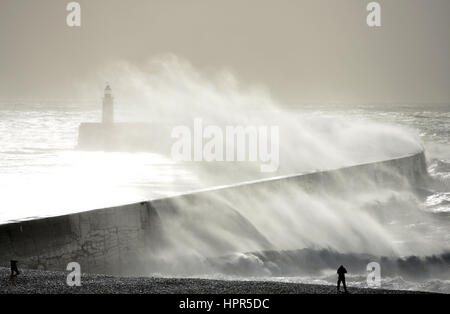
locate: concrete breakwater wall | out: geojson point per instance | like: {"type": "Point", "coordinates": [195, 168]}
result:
{"type": "Point", "coordinates": [121, 240]}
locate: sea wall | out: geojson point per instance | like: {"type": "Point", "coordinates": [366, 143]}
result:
{"type": "Point", "coordinates": [101, 240]}
{"type": "Point", "coordinates": [119, 240]}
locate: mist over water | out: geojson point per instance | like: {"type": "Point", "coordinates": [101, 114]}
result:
{"type": "Point", "coordinates": [42, 175]}
{"type": "Point", "coordinates": [171, 90]}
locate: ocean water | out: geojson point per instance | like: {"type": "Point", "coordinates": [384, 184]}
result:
{"type": "Point", "coordinates": [42, 174]}
{"type": "Point", "coordinates": [425, 272]}
{"type": "Point", "coordinates": [432, 122]}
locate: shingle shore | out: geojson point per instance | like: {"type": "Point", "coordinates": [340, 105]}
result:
{"type": "Point", "coordinates": [54, 282]}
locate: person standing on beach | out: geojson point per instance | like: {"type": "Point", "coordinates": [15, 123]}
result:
{"type": "Point", "coordinates": [14, 269]}
{"type": "Point", "coordinates": [341, 278]}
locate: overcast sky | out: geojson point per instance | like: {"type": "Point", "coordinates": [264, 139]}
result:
{"type": "Point", "coordinates": [303, 51]}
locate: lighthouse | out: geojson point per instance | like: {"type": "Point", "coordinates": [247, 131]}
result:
{"type": "Point", "coordinates": [109, 135]}
{"type": "Point", "coordinates": [108, 106]}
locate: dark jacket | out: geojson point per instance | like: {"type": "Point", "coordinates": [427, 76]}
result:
{"type": "Point", "coordinates": [341, 271]}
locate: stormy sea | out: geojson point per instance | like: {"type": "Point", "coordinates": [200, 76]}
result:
{"type": "Point", "coordinates": [42, 174]}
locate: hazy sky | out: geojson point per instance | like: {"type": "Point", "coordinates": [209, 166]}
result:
{"type": "Point", "coordinates": [303, 51]}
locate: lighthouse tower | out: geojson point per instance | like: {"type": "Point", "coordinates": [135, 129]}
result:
{"type": "Point", "coordinates": [108, 106]}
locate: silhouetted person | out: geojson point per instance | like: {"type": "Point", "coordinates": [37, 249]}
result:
{"type": "Point", "coordinates": [14, 270]}
{"type": "Point", "coordinates": [341, 278]}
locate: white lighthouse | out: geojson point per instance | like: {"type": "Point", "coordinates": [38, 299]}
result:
{"type": "Point", "coordinates": [108, 106]}
{"type": "Point", "coordinates": [109, 135]}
